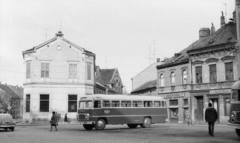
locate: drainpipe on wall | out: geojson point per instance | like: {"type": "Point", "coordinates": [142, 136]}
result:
{"type": "Point", "coordinates": [191, 85]}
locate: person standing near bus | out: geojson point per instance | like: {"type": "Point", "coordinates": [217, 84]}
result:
{"type": "Point", "coordinates": [211, 116]}
{"type": "Point", "coordinates": [66, 119]}
{"type": "Point", "coordinates": [54, 121]}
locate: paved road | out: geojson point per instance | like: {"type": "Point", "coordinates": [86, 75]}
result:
{"type": "Point", "coordinates": [160, 133]}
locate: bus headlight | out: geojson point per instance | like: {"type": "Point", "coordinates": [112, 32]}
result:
{"type": "Point", "coordinates": [233, 116]}
{"type": "Point", "coordinates": [87, 116]}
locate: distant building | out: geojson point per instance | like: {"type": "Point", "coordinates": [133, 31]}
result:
{"type": "Point", "coordinates": [58, 74]}
{"type": "Point", "coordinates": [11, 100]}
{"type": "Point", "coordinates": [145, 82]}
{"type": "Point", "coordinates": [108, 81]}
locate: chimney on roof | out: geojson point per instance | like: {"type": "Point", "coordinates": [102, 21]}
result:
{"type": "Point", "coordinates": [158, 59]}
{"type": "Point", "coordinates": [212, 29]}
{"type": "Point", "coordinates": [204, 32]}
{"type": "Point", "coordinates": [222, 20]}
{"type": "Point", "coordinates": [59, 34]}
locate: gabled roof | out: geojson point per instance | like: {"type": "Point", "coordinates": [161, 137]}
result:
{"type": "Point", "coordinates": [224, 35]}
{"type": "Point", "coordinates": [107, 75]}
{"type": "Point", "coordinates": [18, 90]}
{"type": "Point", "coordinates": [147, 85]}
{"type": "Point", "coordinates": [8, 91]}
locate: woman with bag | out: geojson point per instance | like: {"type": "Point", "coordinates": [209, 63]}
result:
{"type": "Point", "coordinates": [54, 121]}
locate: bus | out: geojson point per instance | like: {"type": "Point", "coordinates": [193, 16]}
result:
{"type": "Point", "coordinates": [234, 116]}
{"type": "Point", "coordinates": [95, 111]}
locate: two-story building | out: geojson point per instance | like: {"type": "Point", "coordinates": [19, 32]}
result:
{"type": "Point", "coordinates": [214, 70]}
{"type": "Point", "coordinates": [58, 74]}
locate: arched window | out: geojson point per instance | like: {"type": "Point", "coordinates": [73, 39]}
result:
{"type": "Point", "coordinates": [161, 80]}
{"type": "Point", "coordinates": [184, 77]}
{"type": "Point", "coordinates": [172, 78]}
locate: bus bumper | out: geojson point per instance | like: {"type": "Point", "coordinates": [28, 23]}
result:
{"type": "Point", "coordinates": [235, 126]}
{"type": "Point", "coordinates": [87, 122]}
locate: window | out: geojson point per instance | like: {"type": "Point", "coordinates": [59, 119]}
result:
{"type": "Point", "coordinates": [163, 104]}
{"type": "Point", "coordinates": [89, 71]}
{"type": "Point", "coordinates": [106, 103]}
{"type": "Point", "coordinates": [198, 71]}
{"type": "Point", "coordinates": [28, 103]}
{"type": "Point", "coordinates": [157, 103]}
{"type": "Point", "coordinates": [97, 104]}
{"type": "Point", "coordinates": [137, 103]}
{"type": "Point", "coordinates": [44, 103]}
{"type": "Point", "coordinates": [115, 103]}
{"type": "Point", "coordinates": [229, 71]}
{"type": "Point", "coordinates": [172, 78]}
{"type": "Point", "coordinates": [148, 104]}
{"type": "Point", "coordinates": [161, 80]}
{"type": "Point", "coordinates": [28, 71]}
{"type": "Point", "coordinates": [184, 77]}
{"type": "Point", "coordinates": [73, 71]}
{"type": "Point", "coordinates": [185, 102]}
{"type": "Point", "coordinates": [173, 102]}
{"type": "Point", "coordinates": [45, 70]}
{"type": "Point", "coordinates": [227, 106]}
{"type": "Point", "coordinates": [72, 103]}
{"type": "Point", "coordinates": [126, 103]}
{"type": "Point", "coordinates": [213, 73]}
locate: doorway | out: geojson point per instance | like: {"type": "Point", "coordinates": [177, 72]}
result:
{"type": "Point", "coordinates": [215, 104]}
{"type": "Point", "coordinates": [199, 109]}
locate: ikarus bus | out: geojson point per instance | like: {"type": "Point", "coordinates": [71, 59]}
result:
{"type": "Point", "coordinates": [96, 111]}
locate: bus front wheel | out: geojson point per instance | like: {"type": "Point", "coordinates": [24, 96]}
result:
{"type": "Point", "coordinates": [132, 125]}
{"type": "Point", "coordinates": [88, 127]}
{"type": "Point", "coordinates": [146, 122]}
{"type": "Point", "coordinates": [100, 124]}
{"type": "Point", "coordinates": [238, 132]}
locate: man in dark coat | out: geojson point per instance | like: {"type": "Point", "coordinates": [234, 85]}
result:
{"type": "Point", "coordinates": [54, 121]}
{"type": "Point", "coordinates": [211, 116]}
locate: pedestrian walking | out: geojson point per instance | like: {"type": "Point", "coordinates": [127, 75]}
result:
{"type": "Point", "coordinates": [66, 119]}
{"type": "Point", "coordinates": [54, 121]}
{"type": "Point", "coordinates": [211, 116]}
{"type": "Point", "coordinates": [188, 118]}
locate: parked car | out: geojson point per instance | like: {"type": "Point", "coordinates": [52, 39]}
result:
{"type": "Point", "coordinates": [6, 122]}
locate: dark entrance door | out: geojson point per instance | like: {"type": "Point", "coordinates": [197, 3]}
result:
{"type": "Point", "coordinates": [199, 110]}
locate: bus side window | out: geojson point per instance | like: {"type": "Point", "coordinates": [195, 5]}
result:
{"type": "Point", "coordinates": [148, 104]}
{"type": "Point", "coordinates": [139, 104]}
{"type": "Point", "coordinates": [162, 103]}
{"type": "Point", "coordinates": [157, 104]}
{"type": "Point", "coordinates": [123, 104]}
{"type": "Point", "coordinates": [128, 103]}
{"type": "Point", "coordinates": [134, 103]}
{"type": "Point", "coordinates": [106, 103]}
{"type": "Point", "coordinates": [115, 103]}
{"type": "Point", "coordinates": [97, 104]}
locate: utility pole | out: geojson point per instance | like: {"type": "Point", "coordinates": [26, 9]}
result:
{"type": "Point", "coordinates": [237, 4]}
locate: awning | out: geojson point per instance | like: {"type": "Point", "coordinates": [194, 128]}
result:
{"type": "Point", "coordinates": [236, 85]}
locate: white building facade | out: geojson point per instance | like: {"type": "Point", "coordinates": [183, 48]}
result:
{"type": "Point", "coordinates": [58, 74]}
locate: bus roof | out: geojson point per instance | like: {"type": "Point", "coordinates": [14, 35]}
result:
{"type": "Point", "coordinates": [121, 97]}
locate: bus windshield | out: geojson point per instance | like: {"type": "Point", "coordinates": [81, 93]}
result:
{"type": "Point", "coordinates": [85, 104]}
{"type": "Point", "coordinates": [235, 95]}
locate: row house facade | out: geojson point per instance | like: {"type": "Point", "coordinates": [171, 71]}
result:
{"type": "Point", "coordinates": [58, 74]}
{"type": "Point", "coordinates": [200, 74]}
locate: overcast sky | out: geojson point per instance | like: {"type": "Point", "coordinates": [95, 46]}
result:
{"type": "Point", "coordinates": [120, 32]}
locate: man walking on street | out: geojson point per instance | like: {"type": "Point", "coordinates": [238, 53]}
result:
{"type": "Point", "coordinates": [211, 116]}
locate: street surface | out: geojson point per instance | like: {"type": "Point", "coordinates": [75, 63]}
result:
{"type": "Point", "coordinates": [159, 133]}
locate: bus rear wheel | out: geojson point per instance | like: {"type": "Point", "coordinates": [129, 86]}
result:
{"type": "Point", "coordinates": [238, 132]}
{"type": "Point", "coordinates": [88, 127]}
{"type": "Point", "coordinates": [146, 122]}
{"type": "Point", "coordinates": [132, 125]}
{"type": "Point", "coordinates": [100, 124]}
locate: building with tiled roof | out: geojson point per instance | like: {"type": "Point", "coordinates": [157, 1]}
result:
{"type": "Point", "coordinates": [11, 100]}
{"type": "Point", "coordinates": [108, 81]}
{"type": "Point", "coordinates": [58, 74]}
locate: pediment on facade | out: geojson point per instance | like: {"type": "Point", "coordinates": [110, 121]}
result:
{"type": "Point", "coordinates": [227, 58]}
{"type": "Point", "coordinates": [211, 60]}
{"type": "Point", "coordinates": [197, 62]}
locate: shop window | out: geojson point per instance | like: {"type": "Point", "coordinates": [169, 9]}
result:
{"type": "Point", "coordinates": [185, 102]}
{"type": "Point", "coordinates": [198, 71]}
{"type": "Point", "coordinates": [44, 103]}
{"type": "Point", "coordinates": [28, 103]}
{"type": "Point", "coordinates": [184, 77]}
{"type": "Point", "coordinates": [172, 78]}
{"type": "Point", "coordinates": [226, 106]}
{"type": "Point", "coordinates": [173, 102]}
{"type": "Point", "coordinates": [229, 71]}
{"type": "Point", "coordinates": [161, 80]}
{"type": "Point", "coordinates": [174, 113]}
{"type": "Point", "coordinates": [72, 103]}
{"type": "Point", "coordinates": [213, 73]}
